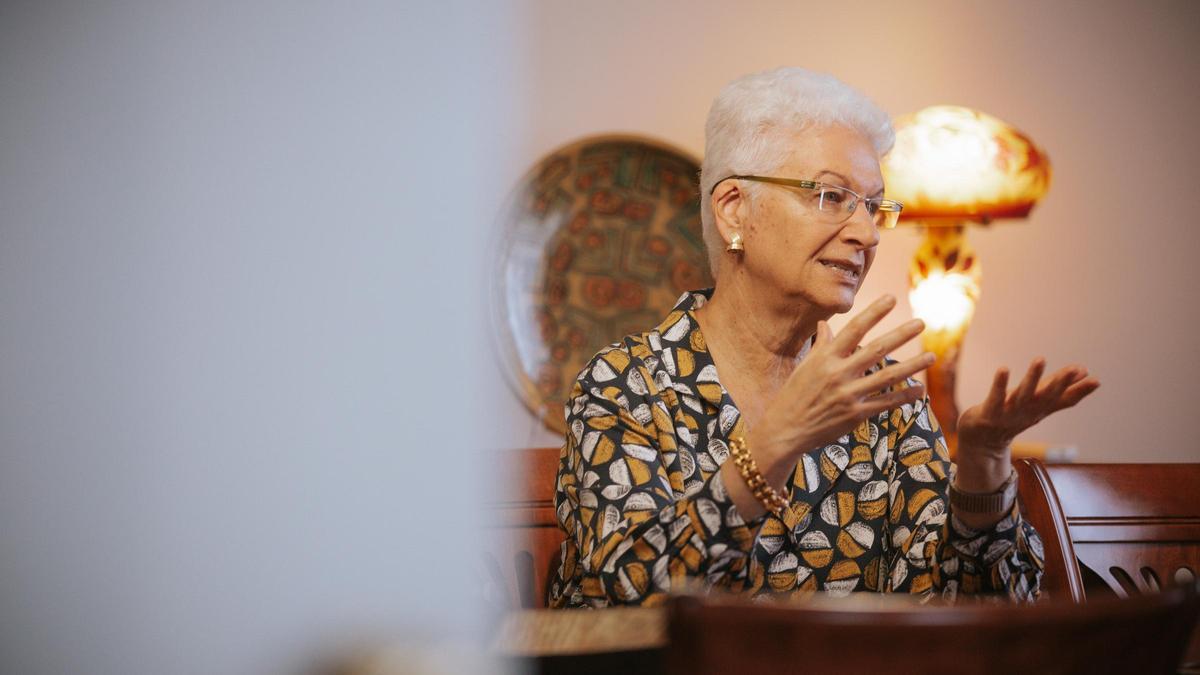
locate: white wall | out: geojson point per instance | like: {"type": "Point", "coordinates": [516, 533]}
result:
{"type": "Point", "coordinates": [240, 323]}
{"type": "Point", "coordinates": [1104, 272]}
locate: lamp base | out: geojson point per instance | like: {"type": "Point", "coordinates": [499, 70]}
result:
{"type": "Point", "coordinates": [944, 277]}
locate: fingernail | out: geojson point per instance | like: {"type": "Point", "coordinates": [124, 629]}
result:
{"type": "Point", "coordinates": [917, 324]}
{"type": "Point", "coordinates": [930, 357]}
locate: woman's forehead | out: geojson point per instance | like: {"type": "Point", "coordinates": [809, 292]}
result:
{"type": "Point", "coordinates": [838, 154]}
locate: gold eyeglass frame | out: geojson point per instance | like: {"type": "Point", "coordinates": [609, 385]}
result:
{"type": "Point", "coordinates": [881, 205]}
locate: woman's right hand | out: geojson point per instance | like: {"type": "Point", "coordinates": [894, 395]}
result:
{"type": "Point", "coordinates": [830, 393]}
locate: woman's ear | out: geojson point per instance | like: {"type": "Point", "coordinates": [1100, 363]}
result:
{"type": "Point", "coordinates": [729, 207]}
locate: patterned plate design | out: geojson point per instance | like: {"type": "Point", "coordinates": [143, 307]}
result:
{"type": "Point", "coordinates": [598, 240]}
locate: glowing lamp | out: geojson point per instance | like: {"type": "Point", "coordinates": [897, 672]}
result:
{"type": "Point", "coordinates": [945, 302]}
{"type": "Point", "coordinates": [952, 167]}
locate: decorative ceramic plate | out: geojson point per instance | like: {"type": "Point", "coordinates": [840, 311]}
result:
{"type": "Point", "coordinates": [598, 241]}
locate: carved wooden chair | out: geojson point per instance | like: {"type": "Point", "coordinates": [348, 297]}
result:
{"type": "Point", "coordinates": [524, 535]}
{"type": "Point", "coordinates": [1146, 634]}
{"type": "Point", "coordinates": [1114, 529]}
{"type": "Point", "coordinates": [1118, 529]}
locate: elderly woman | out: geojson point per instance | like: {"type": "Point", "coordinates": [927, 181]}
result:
{"type": "Point", "coordinates": [742, 444]}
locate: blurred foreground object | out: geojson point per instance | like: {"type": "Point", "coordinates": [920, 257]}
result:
{"type": "Point", "coordinates": [418, 657]}
{"type": "Point", "coordinates": [721, 633]}
{"type": "Point", "coordinates": [1146, 634]}
{"type": "Point", "coordinates": [550, 632]}
{"type": "Point", "coordinates": [952, 167]}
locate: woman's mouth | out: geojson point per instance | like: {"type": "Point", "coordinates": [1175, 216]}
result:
{"type": "Point", "coordinates": [846, 269]}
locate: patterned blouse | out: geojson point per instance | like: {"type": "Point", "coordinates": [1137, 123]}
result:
{"type": "Point", "coordinates": [645, 510]}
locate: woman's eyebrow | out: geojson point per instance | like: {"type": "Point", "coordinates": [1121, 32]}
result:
{"type": "Point", "coordinates": [847, 182]}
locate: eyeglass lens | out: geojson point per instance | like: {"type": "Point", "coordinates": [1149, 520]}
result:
{"type": "Point", "coordinates": [836, 205]}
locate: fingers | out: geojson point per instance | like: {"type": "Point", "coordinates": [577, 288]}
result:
{"type": "Point", "coordinates": [886, 344]}
{"type": "Point", "coordinates": [1078, 391]}
{"type": "Point", "coordinates": [1029, 383]}
{"type": "Point", "coordinates": [993, 406]}
{"type": "Point", "coordinates": [1059, 382]}
{"type": "Point", "coordinates": [856, 328]}
{"type": "Point", "coordinates": [892, 399]}
{"type": "Point", "coordinates": [885, 378]}
{"type": "Point", "coordinates": [824, 334]}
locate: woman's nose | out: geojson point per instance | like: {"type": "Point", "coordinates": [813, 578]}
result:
{"type": "Point", "coordinates": [861, 228]}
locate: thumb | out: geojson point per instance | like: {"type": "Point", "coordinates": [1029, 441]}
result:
{"type": "Point", "coordinates": [824, 334]}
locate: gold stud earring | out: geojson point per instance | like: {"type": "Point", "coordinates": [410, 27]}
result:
{"type": "Point", "coordinates": [735, 243]}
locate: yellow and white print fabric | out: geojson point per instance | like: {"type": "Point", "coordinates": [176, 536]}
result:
{"type": "Point", "coordinates": [645, 511]}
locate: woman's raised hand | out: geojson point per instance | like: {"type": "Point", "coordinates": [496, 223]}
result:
{"type": "Point", "coordinates": [830, 393]}
{"type": "Point", "coordinates": [992, 425]}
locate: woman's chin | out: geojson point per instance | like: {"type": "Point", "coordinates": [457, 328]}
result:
{"type": "Point", "coordinates": [827, 304]}
{"type": "Point", "coordinates": [841, 308]}
{"type": "Point", "coordinates": [837, 302]}
{"type": "Point", "coordinates": [824, 298]}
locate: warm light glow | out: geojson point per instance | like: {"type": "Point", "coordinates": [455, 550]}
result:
{"type": "Point", "coordinates": [945, 302]}
{"type": "Point", "coordinates": [944, 280]}
{"type": "Point", "coordinates": [954, 162]}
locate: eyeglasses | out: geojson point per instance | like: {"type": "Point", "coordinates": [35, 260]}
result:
{"type": "Point", "coordinates": [835, 204]}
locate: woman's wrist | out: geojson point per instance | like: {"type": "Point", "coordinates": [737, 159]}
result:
{"type": "Point", "coordinates": [771, 499]}
{"type": "Point", "coordinates": [772, 459]}
{"type": "Point", "coordinates": [768, 466]}
{"type": "Point", "coordinates": [981, 470]}
{"type": "Point", "coordinates": [980, 474]}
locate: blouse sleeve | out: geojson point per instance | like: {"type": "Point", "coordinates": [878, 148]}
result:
{"type": "Point", "coordinates": [635, 527]}
{"type": "Point", "coordinates": [932, 551]}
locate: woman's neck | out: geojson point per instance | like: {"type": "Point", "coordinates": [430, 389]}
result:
{"type": "Point", "coordinates": [757, 335]}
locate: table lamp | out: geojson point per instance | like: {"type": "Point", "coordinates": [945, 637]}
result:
{"type": "Point", "coordinates": [952, 167]}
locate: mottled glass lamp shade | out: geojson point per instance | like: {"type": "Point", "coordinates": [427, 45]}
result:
{"type": "Point", "coordinates": [952, 167]}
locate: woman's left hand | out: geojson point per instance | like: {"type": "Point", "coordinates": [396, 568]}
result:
{"type": "Point", "coordinates": [986, 431]}
{"type": "Point", "coordinates": [990, 427]}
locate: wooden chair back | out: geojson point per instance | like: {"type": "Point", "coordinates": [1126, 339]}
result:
{"type": "Point", "coordinates": [1040, 506]}
{"type": "Point", "coordinates": [1144, 634]}
{"type": "Point", "coordinates": [1123, 529]}
{"type": "Point", "coordinates": [1115, 529]}
{"type": "Point", "coordinates": [525, 539]}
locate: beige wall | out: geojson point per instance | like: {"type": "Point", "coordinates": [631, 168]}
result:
{"type": "Point", "coordinates": [1103, 273]}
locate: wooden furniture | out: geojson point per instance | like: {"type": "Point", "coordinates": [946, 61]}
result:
{"type": "Point", "coordinates": [1115, 529]}
{"type": "Point", "coordinates": [1066, 503]}
{"type": "Point", "coordinates": [1072, 507]}
{"type": "Point", "coordinates": [524, 540]}
{"type": "Point", "coordinates": [1040, 506]}
{"type": "Point", "coordinates": [1144, 634]}
{"type": "Point", "coordinates": [1132, 528]}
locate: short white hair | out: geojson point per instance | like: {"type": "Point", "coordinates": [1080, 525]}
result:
{"type": "Point", "coordinates": [743, 129]}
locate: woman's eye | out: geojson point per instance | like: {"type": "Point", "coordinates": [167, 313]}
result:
{"type": "Point", "coordinates": [832, 197]}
